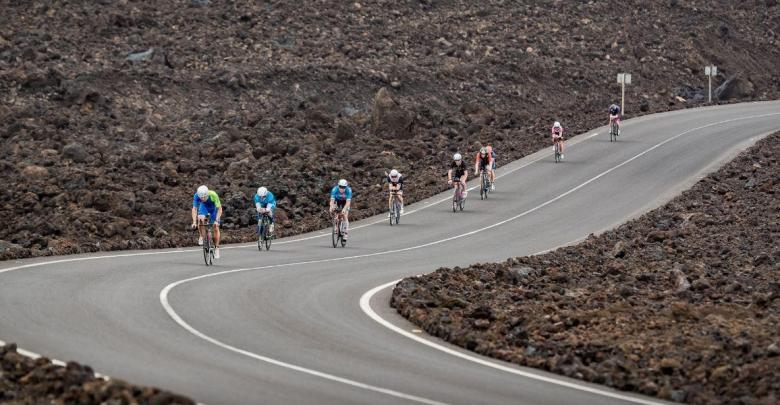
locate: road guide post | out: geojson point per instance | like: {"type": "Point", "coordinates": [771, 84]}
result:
{"type": "Point", "coordinates": [623, 79]}
{"type": "Point", "coordinates": [710, 71]}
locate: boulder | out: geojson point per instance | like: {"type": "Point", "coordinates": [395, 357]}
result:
{"type": "Point", "coordinates": [735, 87]}
{"type": "Point", "coordinates": [75, 152]}
{"type": "Point", "coordinates": [389, 119]}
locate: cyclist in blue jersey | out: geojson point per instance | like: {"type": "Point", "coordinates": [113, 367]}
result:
{"type": "Point", "coordinates": [265, 202]}
{"type": "Point", "coordinates": [206, 202]}
{"type": "Point", "coordinates": [341, 200]}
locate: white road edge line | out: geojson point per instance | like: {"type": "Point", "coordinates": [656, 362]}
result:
{"type": "Point", "coordinates": [365, 305]}
{"type": "Point", "coordinates": [331, 377]}
{"type": "Point", "coordinates": [175, 316]}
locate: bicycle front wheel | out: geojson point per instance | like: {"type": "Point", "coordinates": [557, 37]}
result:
{"type": "Point", "coordinates": [335, 237]}
{"type": "Point", "coordinates": [207, 251]}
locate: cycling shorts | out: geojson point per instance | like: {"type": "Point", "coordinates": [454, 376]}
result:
{"type": "Point", "coordinates": [340, 204]}
{"type": "Point", "coordinates": [203, 210]}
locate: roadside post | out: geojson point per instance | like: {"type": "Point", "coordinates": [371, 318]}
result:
{"type": "Point", "coordinates": [623, 79]}
{"type": "Point", "coordinates": [710, 71]}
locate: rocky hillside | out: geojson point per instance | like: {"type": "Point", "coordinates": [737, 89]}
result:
{"type": "Point", "coordinates": [112, 112]}
{"type": "Point", "coordinates": [682, 303]}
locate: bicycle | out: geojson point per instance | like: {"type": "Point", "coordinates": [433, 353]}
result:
{"type": "Point", "coordinates": [458, 200]}
{"type": "Point", "coordinates": [613, 132]}
{"type": "Point", "coordinates": [485, 189]}
{"type": "Point", "coordinates": [339, 229]}
{"type": "Point", "coordinates": [208, 242]}
{"type": "Point", "coordinates": [558, 151]}
{"type": "Point", "coordinates": [264, 236]}
{"type": "Point", "coordinates": [395, 209]}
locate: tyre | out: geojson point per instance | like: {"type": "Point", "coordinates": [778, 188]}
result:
{"type": "Point", "coordinates": [267, 237]}
{"type": "Point", "coordinates": [259, 237]}
{"type": "Point", "coordinates": [454, 205]}
{"type": "Point", "coordinates": [392, 215]}
{"type": "Point", "coordinates": [343, 231]}
{"type": "Point", "coordinates": [207, 251]}
{"type": "Point", "coordinates": [335, 237]}
{"type": "Point", "coordinates": [397, 213]}
{"type": "Point", "coordinates": [461, 204]}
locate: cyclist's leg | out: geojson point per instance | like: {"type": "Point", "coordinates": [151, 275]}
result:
{"type": "Point", "coordinates": [216, 234]}
{"type": "Point", "coordinates": [400, 197]}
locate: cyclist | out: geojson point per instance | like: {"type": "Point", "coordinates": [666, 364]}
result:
{"type": "Point", "coordinates": [557, 137]}
{"type": "Point", "coordinates": [206, 202]}
{"type": "Point", "coordinates": [493, 154]}
{"type": "Point", "coordinates": [458, 173]}
{"type": "Point", "coordinates": [395, 183]}
{"type": "Point", "coordinates": [341, 200]}
{"type": "Point", "coordinates": [484, 161]}
{"type": "Point", "coordinates": [614, 115]}
{"type": "Point", "coordinates": [265, 202]}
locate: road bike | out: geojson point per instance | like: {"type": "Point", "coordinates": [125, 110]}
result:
{"type": "Point", "coordinates": [208, 241]}
{"type": "Point", "coordinates": [458, 199]}
{"type": "Point", "coordinates": [485, 188]}
{"type": "Point", "coordinates": [264, 235]}
{"type": "Point", "coordinates": [558, 151]}
{"type": "Point", "coordinates": [613, 131]}
{"type": "Point", "coordinates": [339, 229]}
{"type": "Point", "coordinates": [395, 209]}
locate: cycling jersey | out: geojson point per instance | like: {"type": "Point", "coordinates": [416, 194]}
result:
{"type": "Point", "coordinates": [398, 182]}
{"type": "Point", "coordinates": [341, 196]}
{"type": "Point", "coordinates": [557, 132]}
{"type": "Point", "coordinates": [483, 163]}
{"type": "Point", "coordinates": [458, 170]}
{"type": "Point", "coordinates": [268, 202]}
{"type": "Point", "coordinates": [208, 207]}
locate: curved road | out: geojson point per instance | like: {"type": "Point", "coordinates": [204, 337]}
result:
{"type": "Point", "coordinates": [287, 326]}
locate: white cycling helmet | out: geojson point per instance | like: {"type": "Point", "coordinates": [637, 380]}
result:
{"type": "Point", "coordinates": [203, 191]}
{"type": "Point", "coordinates": [394, 173]}
{"type": "Point", "coordinates": [262, 191]}
{"type": "Point", "coordinates": [557, 124]}
{"type": "Point", "coordinates": [483, 150]}
{"type": "Point", "coordinates": [343, 183]}
{"type": "Point", "coordinates": [457, 157]}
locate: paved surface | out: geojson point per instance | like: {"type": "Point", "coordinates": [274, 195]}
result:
{"type": "Point", "coordinates": [287, 326]}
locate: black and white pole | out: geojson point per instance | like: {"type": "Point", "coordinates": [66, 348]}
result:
{"type": "Point", "coordinates": [710, 71]}
{"type": "Point", "coordinates": [623, 79]}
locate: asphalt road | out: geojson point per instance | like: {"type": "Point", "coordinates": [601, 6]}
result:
{"type": "Point", "coordinates": [286, 326]}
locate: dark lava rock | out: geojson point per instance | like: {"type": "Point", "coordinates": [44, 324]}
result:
{"type": "Point", "coordinates": [636, 320]}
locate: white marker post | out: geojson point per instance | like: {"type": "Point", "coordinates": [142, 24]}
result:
{"type": "Point", "coordinates": [710, 71]}
{"type": "Point", "coordinates": [623, 79]}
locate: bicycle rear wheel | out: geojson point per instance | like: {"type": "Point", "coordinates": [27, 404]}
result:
{"type": "Point", "coordinates": [392, 214]}
{"type": "Point", "coordinates": [397, 209]}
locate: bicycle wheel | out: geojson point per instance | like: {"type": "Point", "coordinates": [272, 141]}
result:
{"type": "Point", "coordinates": [335, 237]}
{"type": "Point", "coordinates": [462, 203]}
{"type": "Point", "coordinates": [392, 214]}
{"type": "Point", "coordinates": [260, 231]}
{"type": "Point", "coordinates": [207, 254]}
{"type": "Point", "coordinates": [455, 202]}
{"type": "Point", "coordinates": [397, 209]}
{"type": "Point", "coordinates": [342, 232]}
{"type": "Point", "coordinates": [267, 235]}
{"type": "Point", "coordinates": [557, 153]}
